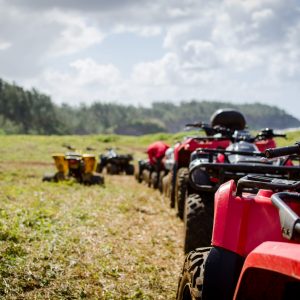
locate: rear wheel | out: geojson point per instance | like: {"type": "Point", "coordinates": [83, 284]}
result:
{"type": "Point", "coordinates": [146, 177]}
{"type": "Point", "coordinates": [191, 280]}
{"type": "Point", "coordinates": [198, 221]}
{"type": "Point", "coordinates": [129, 169]}
{"type": "Point", "coordinates": [111, 169]}
{"type": "Point", "coordinates": [154, 180]}
{"type": "Point", "coordinates": [97, 179]}
{"type": "Point", "coordinates": [99, 168]}
{"type": "Point", "coordinates": [166, 185]}
{"type": "Point", "coordinates": [49, 178]}
{"type": "Point", "coordinates": [162, 175]}
{"type": "Point", "coordinates": [138, 174]}
{"type": "Point", "coordinates": [181, 190]}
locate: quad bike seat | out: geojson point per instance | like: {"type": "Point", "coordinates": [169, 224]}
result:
{"type": "Point", "coordinates": [228, 118]}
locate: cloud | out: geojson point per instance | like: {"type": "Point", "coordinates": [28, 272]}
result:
{"type": "Point", "coordinates": [84, 81]}
{"type": "Point", "coordinates": [88, 71]}
{"type": "Point", "coordinates": [4, 45]}
{"type": "Point", "coordinates": [219, 49]}
{"type": "Point", "coordinates": [144, 31]}
{"type": "Point", "coordinates": [75, 35]}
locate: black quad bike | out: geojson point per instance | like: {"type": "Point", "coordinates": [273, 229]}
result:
{"type": "Point", "coordinates": [151, 174]}
{"type": "Point", "coordinates": [255, 247]}
{"type": "Point", "coordinates": [75, 165]}
{"type": "Point", "coordinates": [115, 163]}
{"type": "Point", "coordinates": [143, 171]}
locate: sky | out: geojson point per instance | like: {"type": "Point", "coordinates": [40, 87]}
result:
{"type": "Point", "coordinates": [141, 51]}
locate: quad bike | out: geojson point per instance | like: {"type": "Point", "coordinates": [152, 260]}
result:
{"type": "Point", "coordinates": [74, 164]}
{"type": "Point", "coordinates": [143, 172]}
{"type": "Point", "coordinates": [255, 247]}
{"type": "Point", "coordinates": [219, 135]}
{"type": "Point", "coordinates": [209, 168]}
{"type": "Point", "coordinates": [152, 169]}
{"type": "Point", "coordinates": [165, 175]}
{"type": "Point", "coordinates": [115, 163]}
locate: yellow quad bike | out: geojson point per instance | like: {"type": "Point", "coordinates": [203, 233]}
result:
{"type": "Point", "coordinates": [74, 164]}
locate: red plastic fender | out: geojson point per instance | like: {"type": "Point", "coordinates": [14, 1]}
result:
{"type": "Point", "coordinates": [243, 223]}
{"type": "Point", "coordinates": [269, 266]}
{"type": "Point", "coordinates": [265, 144]}
{"type": "Point", "coordinates": [191, 144]}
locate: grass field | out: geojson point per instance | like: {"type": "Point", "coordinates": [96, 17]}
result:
{"type": "Point", "coordinates": [69, 241]}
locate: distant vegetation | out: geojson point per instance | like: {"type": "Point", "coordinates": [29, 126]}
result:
{"type": "Point", "coordinates": [31, 112]}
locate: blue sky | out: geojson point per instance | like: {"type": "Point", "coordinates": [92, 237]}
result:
{"type": "Point", "coordinates": [137, 52]}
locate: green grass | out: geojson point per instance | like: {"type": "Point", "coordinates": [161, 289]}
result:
{"type": "Point", "coordinates": [69, 241]}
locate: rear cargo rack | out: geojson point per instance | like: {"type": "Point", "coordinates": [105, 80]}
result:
{"type": "Point", "coordinates": [264, 182]}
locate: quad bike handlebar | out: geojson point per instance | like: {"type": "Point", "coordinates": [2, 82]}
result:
{"type": "Point", "coordinates": [268, 133]}
{"type": "Point", "coordinates": [283, 151]}
{"type": "Point", "coordinates": [68, 146]}
{"type": "Point", "coordinates": [289, 220]}
{"type": "Point", "coordinates": [224, 151]}
{"type": "Point", "coordinates": [211, 130]}
{"type": "Point", "coordinates": [197, 124]}
{"type": "Point", "coordinates": [90, 149]}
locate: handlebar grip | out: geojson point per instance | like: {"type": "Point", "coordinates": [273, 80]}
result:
{"type": "Point", "coordinates": [276, 152]}
{"type": "Point", "coordinates": [280, 135]}
{"type": "Point", "coordinates": [199, 125]}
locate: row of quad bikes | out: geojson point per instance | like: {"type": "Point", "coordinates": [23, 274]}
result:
{"type": "Point", "coordinates": [238, 196]}
{"type": "Point", "coordinates": [84, 167]}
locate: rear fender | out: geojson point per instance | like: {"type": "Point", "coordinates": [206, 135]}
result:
{"type": "Point", "coordinates": [263, 145]}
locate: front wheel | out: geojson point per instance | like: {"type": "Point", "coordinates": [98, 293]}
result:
{"type": "Point", "coordinates": [190, 283]}
{"type": "Point", "coordinates": [198, 221]}
{"type": "Point", "coordinates": [181, 190]}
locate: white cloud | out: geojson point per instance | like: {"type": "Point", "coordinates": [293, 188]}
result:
{"type": "Point", "coordinates": [4, 45]}
{"type": "Point", "coordinates": [88, 72]}
{"type": "Point", "coordinates": [156, 73]}
{"type": "Point", "coordinates": [144, 31]}
{"type": "Point", "coordinates": [84, 81]}
{"type": "Point", "coordinates": [75, 34]}
{"type": "Point", "coordinates": [220, 49]}
{"type": "Point", "coordinates": [200, 55]}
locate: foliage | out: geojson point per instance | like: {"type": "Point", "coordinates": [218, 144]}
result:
{"type": "Point", "coordinates": [31, 112]}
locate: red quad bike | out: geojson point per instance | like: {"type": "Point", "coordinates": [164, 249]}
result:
{"type": "Point", "coordinates": [156, 153]}
{"type": "Point", "coordinates": [255, 247]}
{"type": "Point", "coordinates": [223, 124]}
{"type": "Point", "coordinates": [149, 170]}
{"type": "Point", "coordinates": [209, 168]}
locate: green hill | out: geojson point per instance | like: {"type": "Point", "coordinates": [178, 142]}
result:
{"type": "Point", "coordinates": [31, 112]}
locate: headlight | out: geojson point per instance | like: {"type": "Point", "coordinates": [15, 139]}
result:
{"type": "Point", "coordinates": [200, 177]}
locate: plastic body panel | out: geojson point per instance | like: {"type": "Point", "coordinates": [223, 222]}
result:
{"type": "Point", "coordinates": [243, 223]}
{"type": "Point", "coordinates": [61, 163]}
{"type": "Point", "coordinates": [183, 151]}
{"type": "Point", "coordinates": [265, 144]}
{"type": "Point", "coordinates": [89, 163]}
{"type": "Point", "coordinates": [270, 271]}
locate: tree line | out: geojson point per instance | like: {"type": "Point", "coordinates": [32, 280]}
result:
{"type": "Point", "coordinates": [31, 112]}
